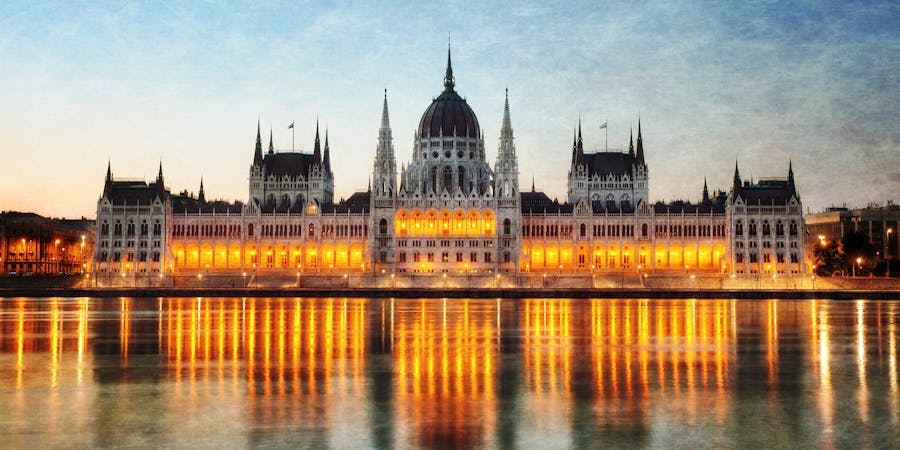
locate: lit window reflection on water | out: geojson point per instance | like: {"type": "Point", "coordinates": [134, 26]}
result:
{"type": "Point", "coordinates": [352, 373]}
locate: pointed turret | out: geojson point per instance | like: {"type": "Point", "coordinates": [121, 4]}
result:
{"type": "Point", "coordinates": [506, 128]}
{"type": "Point", "coordinates": [159, 175]}
{"type": "Point", "coordinates": [326, 158]}
{"type": "Point", "coordinates": [705, 191]}
{"type": "Point", "coordinates": [385, 117]}
{"type": "Point", "coordinates": [201, 196]}
{"type": "Point", "coordinates": [736, 185]}
{"type": "Point", "coordinates": [271, 144]}
{"type": "Point", "coordinates": [317, 150]}
{"type": "Point", "coordinates": [257, 153]}
{"type": "Point", "coordinates": [631, 142]}
{"type": "Point", "coordinates": [532, 182]}
{"type": "Point", "coordinates": [109, 172]}
{"type": "Point", "coordinates": [449, 81]}
{"type": "Point", "coordinates": [640, 145]}
{"type": "Point", "coordinates": [790, 183]}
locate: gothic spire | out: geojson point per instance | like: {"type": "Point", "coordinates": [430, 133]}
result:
{"type": "Point", "coordinates": [317, 149]}
{"type": "Point", "coordinates": [326, 159]}
{"type": "Point", "coordinates": [631, 142]}
{"type": "Point", "coordinates": [257, 153]}
{"type": "Point", "coordinates": [159, 176]}
{"type": "Point", "coordinates": [271, 145]}
{"type": "Point", "coordinates": [579, 156]}
{"type": "Point", "coordinates": [790, 182]}
{"type": "Point", "coordinates": [108, 172]}
{"type": "Point", "coordinates": [449, 81]}
{"type": "Point", "coordinates": [385, 119]}
{"type": "Point", "coordinates": [736, 186]}
{"type": "Point", "coordinates": [506, 129]}
{"type": "Point", "coordinates": [201, 196]}
{"type": "Point", "coordinates": [640, 144]}
{"type": "Point", "coordinates": [705, 191]}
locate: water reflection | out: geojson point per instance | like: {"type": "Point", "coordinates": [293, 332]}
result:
{"type": "Point", "coordinates": [463, 373]}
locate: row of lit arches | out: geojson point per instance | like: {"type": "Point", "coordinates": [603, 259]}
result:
{"type": "Point", "coordinates": [445, 223]}
{"type": "Point", "coordinates": [303, 257]}
{"type": "Point", "coordinates": [583, 257]}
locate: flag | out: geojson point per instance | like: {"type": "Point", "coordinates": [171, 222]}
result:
{"type": "Point", "coordinates": [291, 125]}
{"type": "Point", "coordinates": [603, 125]}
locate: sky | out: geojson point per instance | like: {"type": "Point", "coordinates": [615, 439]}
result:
{"type": "Point", "coordinates": [134, 84]}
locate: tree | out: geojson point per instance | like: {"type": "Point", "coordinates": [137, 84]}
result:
{"type": "Point", "coordinates": [829, 259]}
{"type": "Point", "coordinates": [855, 245]}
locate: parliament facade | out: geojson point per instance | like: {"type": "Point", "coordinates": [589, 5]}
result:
{"type": "Point", "coordinates": [448, 211]}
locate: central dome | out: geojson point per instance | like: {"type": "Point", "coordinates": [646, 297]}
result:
{"type": "Point", "coordinates": [449, 115]}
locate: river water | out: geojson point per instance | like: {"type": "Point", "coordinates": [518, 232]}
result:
{"type": "Point", "coordinates": [373, 373]}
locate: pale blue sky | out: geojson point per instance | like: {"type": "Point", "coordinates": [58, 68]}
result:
{"type": "Point", "coordinates": [184, 82]}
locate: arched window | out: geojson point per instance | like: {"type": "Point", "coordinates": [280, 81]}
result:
{"type": "Point", "coordinates": [131, 228]}
{"type": "Point", "coordinates": [104, 228]}
{"type": "Point", "coordinates": [752, 227]}
{"type": "Point", "coordinates": [583, 230]}
{"type": "Point", "coordinates": [739, 228]}
{"type": "Point", "coordinates": [382, 227]}
{"type": "Point", "coordinates": [144, 228]}
{"type": "Point", "coordinates": [507, 227]}
{"type": "Point", "coordinates": [779, 228]}
{"type": "Point", "coordinates": [766, 229]}
{"type": "Point", "coordinates": [644, 230]}
{"type": "Point", "coordinates": [249, 230]}
{"type": "Point", "coordinates": [312, 230]}
{"type": "Point", "coordinates": [793, 228]}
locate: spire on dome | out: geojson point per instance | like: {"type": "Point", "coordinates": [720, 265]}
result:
{"type": "Point", "coordinates": [317, 150]}
{"type": "Point", "coordinates": [449, 81]}
{"type": "Point", "coordinates": [257, 153]}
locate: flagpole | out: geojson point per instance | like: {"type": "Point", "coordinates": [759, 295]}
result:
{"type": "Point", "coordinates": [606, 128]}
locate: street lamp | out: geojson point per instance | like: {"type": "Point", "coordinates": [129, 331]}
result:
{"type": "Point", "coordinates": [887, 251]}
{"type": "Point", "coordinates": [858, 263]}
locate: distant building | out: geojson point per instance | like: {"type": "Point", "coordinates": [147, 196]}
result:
{"type": "Point", "coordinates": [34, 245]}
{"type": "Point", "coordinates": [449, 211]}
{"type": "Point", "coordinates": [879, 223]}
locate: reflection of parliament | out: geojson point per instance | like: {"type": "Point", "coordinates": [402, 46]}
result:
{"type": "Point", "coordinates": [448, 211]}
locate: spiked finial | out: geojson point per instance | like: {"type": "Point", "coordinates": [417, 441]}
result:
{"type": "Point", "coordinates": [108, 171]}
{"type": "Point", "coordinates": [791, 186]}
{"type": "Point", "coordinates": [159, 176]}
{"type": "Point", "coordinates": [640, 144]}
{"type": "Point", "coordinates": [257, 152]}
{"type": "Point", "coordinates": [385, 119]}
{"type": "Point", "coordinates": [736, 186]}
{"type": "Point", "coordinates": [631, 142]}
{"type": "Point", "coordinates": [705, 191]}
{"type": "Point", "coordinates": [449, 81]}
{"type": "Point", "coordinates": [317, 149]}
{"type": "Point", "coordinates": [201, 196]}
{"type": "Point", "coordinates": [271, 143]}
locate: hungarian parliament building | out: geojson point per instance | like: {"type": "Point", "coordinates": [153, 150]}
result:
{"type": "Point", "coordinates": [448, 211]}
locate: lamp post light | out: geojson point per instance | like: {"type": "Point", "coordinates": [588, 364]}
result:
{"type": "Point", "coordinates": [887, 251]}
{"type": "Point", "coordinates": [392, 279]}
{"type": "Point", "coordinates": [858, 264]}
